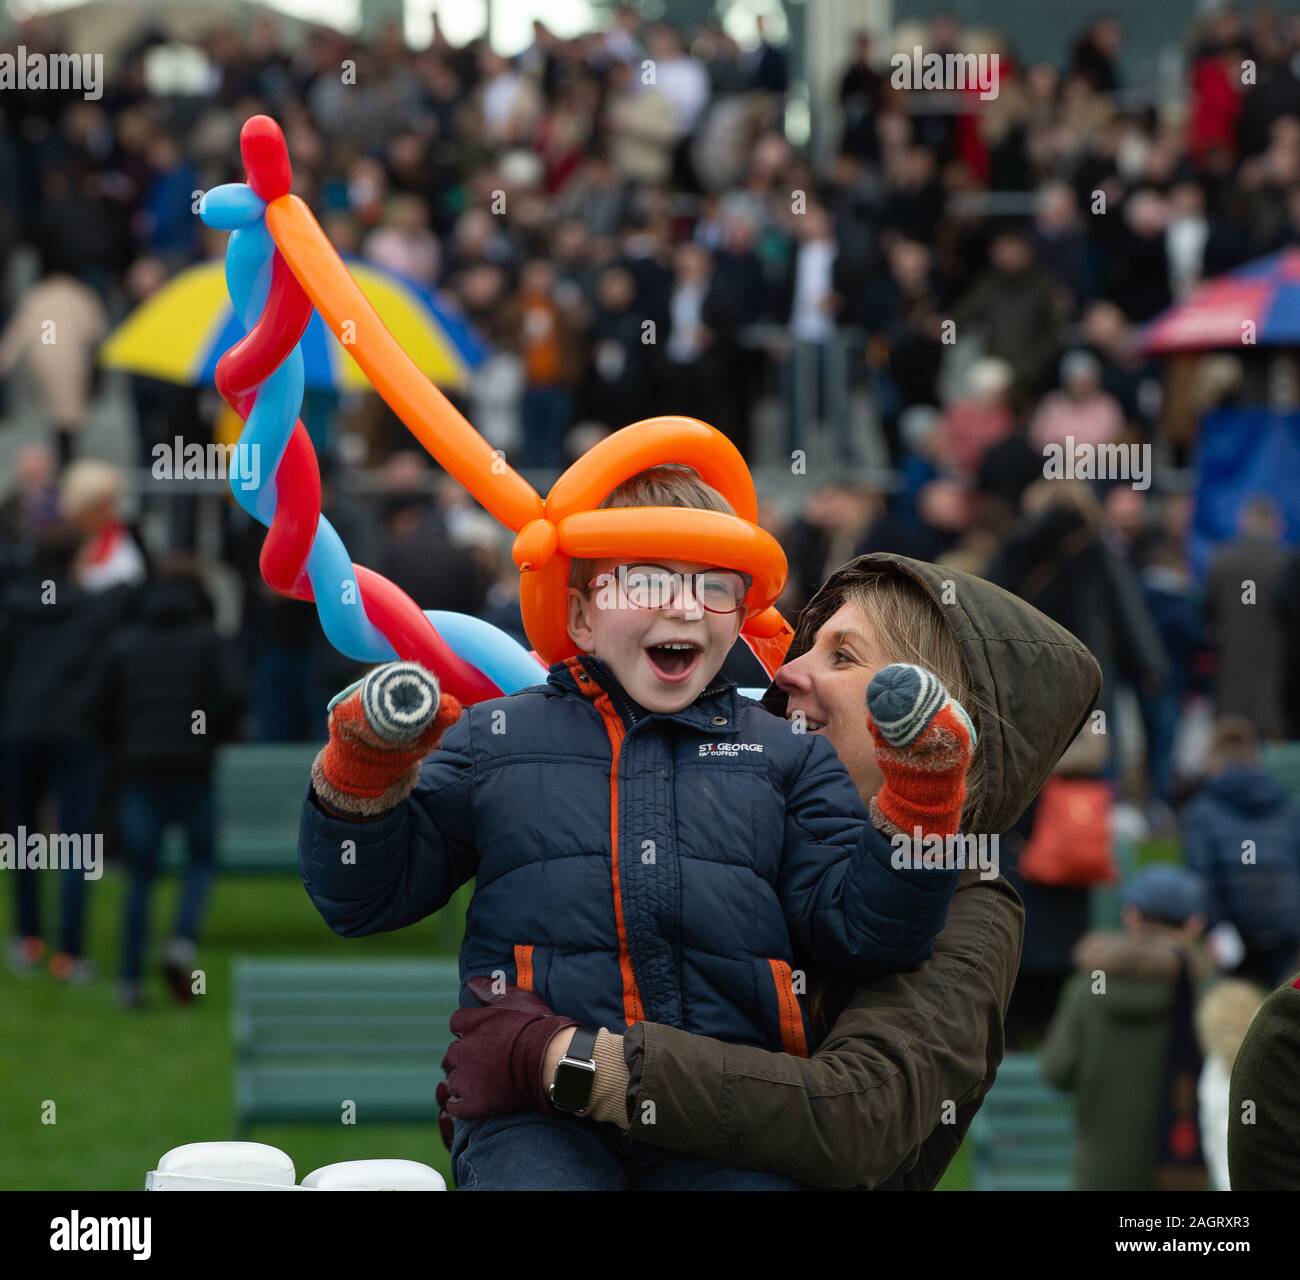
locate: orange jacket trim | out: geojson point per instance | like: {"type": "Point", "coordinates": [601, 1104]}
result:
{"type": "Point", "coordinates": [524, 967]}
{"type": "Point", "coordinates": [633, 1010]}
{"type": "Point", "coordinates": [793, 1039]}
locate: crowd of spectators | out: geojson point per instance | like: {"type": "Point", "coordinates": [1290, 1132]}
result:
{"type": "Point", "coordinates": [626, 223]}
{"type": "Point", "coordinates": [625, 220]}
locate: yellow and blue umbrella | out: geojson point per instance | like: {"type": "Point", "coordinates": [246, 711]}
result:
{"type": "Point", "coordinates": [181, 332]}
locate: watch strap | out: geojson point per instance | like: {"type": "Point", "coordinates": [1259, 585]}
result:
{"type": "Point", "coordinates": [582, 1048]}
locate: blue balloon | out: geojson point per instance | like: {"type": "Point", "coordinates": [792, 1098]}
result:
{"type": "Point", "coordinates": [498, 655]}
{"type": "Point", "coordinates": [249, 257]}
{"type": "Point", "coordinates": [232, 207]}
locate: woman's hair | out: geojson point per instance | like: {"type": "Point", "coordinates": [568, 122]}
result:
{"type": "Point", "coordinates": [908, 627]}
{"type": "Point", "coordinates": [670, 484]}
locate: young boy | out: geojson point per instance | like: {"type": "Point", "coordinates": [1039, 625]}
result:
{"type": "Point", "coordinates": [647, 843]}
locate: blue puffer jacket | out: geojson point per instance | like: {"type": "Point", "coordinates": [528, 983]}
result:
{"type": "Point", "coordinates": [737, 846]}
{"type": "Point", "coordinates": [1260, 898]}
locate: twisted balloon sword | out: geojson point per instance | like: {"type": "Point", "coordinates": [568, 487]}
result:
{"type": "Point", "coordinates": [278, 264]}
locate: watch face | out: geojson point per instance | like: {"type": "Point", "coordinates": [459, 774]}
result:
{"type": "Point", "coordinates": [573, 1082]}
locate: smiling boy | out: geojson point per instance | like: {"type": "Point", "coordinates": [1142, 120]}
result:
{"type": "Point", "coordinates": [630, 863]}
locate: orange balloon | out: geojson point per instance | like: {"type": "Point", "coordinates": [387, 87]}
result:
{"type": "Point", "coordinates": [651, 442]}
{"type": "Point", "coordinates": [568, 524]}
{"type": "Point", "coordinates": [434, 421]}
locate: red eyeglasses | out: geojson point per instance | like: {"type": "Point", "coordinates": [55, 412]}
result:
{"type": "Point", "coordinates": [653, 586]}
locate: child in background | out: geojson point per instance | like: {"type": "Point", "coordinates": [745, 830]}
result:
{"type": "Point", "coordinates": [647, 843]}
{"type": "Point", "coordinates": [1222, 1019]}
{"type": "Point", "coordinates": [1123, 1040]}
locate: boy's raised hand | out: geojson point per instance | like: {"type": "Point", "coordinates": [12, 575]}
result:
{"type": "Point", "coordinates": [381, 728]}
{"type": "Point", "coordinates": [924, 740]}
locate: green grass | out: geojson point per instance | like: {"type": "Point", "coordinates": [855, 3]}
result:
{"type": "Point", "coordinates": [126, 1087]}
{"type": "Point", "coordinates": [1158, 849]}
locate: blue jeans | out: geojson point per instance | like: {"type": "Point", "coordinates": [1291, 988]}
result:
{"type": "Point", "coordinates": [1160, 721]}
{"type": "Point", "coordinates": [530, 1151]}
{"type": "Point", "coordinates": [29, 771]}
{"type": "Point", "coordinates": [144, 812]}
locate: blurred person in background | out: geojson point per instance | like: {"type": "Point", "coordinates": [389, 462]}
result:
{"type": "Point", "coordinates": [31, 509]}
{"type": "Point", "coordinates": [861, 87]}
{"type": "Point", "coordinates": [1174, 602]}
{"type": "Point", "coordinates": [684, 82]}
{"type": "Point", "coordinates": [1063, 241]}
{"type": "Point", "coordinates": [1241, 831]}
{"type": "Point", "coordinates": [1013, 307]}
{"type": "Point", "coordinates": [1241, 604]}
{"type": "Point", "coordinates": [700, 321]}
{"type": "Point", "coordinates": [168, 227]}
{"type": "Point", "coordinates": [404, 243]}
{"type": "Point", "coordinates": [1216, 92]}
{"type": "Point", "coordinates": [1006, 471]}
{"type": "Point", "coordinates": [54, 333]}
{"type": "Point", "coordinates": [1081, 411]}
{"type": "Point", "coordinates": [163, 411]}
{"type": "Point", "coordinates": [53, 634]}
{"type": "Point", "coordinates": [1129, 376]}
{"type": "Point", "coordinates": [980, 419]}
{"type": "Point", "coordinates": [167, 697]}
{"type": "Point", "coordinates": [90, 499]}
{"type": "Point", "coordinates": [621, 372]}
{"type": "Point", "coordinates": [642, 128]}
{"type": "Point", "coordinates": [812, 306]}
{"type": "Point", "coordinates": [416, 551]}
{"type": "Point", "coordinates": [1057, 560]}
{"type": "Point", "coordinates": [1223, 1017]}
{"type": "Point", "coordinates": [1186, 238]}
{"type": "Point", "coordinates": [1057, 908]}
{"type": "Point", "coordinates": [830, 526]}
{"type": "Point", "coordinates": [1124, 1040]}
{"type": "Point", "coordinates": [1096, 54]}
{"type": "Point", "coordinates": [543, 334]}
{"type": "Point", "coordinates": [743, 280]}
{"type": "Point", "coordinates": [1136, 274]}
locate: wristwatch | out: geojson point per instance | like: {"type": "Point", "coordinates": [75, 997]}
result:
{"type": "Point", "coordinates": [575, 1075]}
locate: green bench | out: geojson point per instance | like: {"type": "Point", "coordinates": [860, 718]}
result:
{"type": "Point", "coordinates": [259, 794]}
{"type": "Point", "coordinates": [312, 1035]}
{"type": "Point", "coordinates": [1023, 1135]}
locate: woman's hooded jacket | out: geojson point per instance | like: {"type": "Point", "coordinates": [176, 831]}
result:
{"type": "Point", "coordinates": [886, 1099]}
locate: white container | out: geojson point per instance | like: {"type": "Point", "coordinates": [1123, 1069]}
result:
{"type": "Point", "coordinates": [375, 1175]}
{"type": "Point", "coordinates": [230, 1161]}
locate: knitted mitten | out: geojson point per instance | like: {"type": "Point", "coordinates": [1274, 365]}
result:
{"type": "Point", "coordinates": [924, 741]}
{"type": "Point", "coordinates": [381, 728]}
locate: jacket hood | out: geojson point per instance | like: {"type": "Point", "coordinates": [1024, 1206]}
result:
{"type": "Point", "coordinates": [1035, 681]}
{"type": "Point", "coordinates": [1248, 791]}
{"type": "Point", "coordinates": [1146, 961]}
